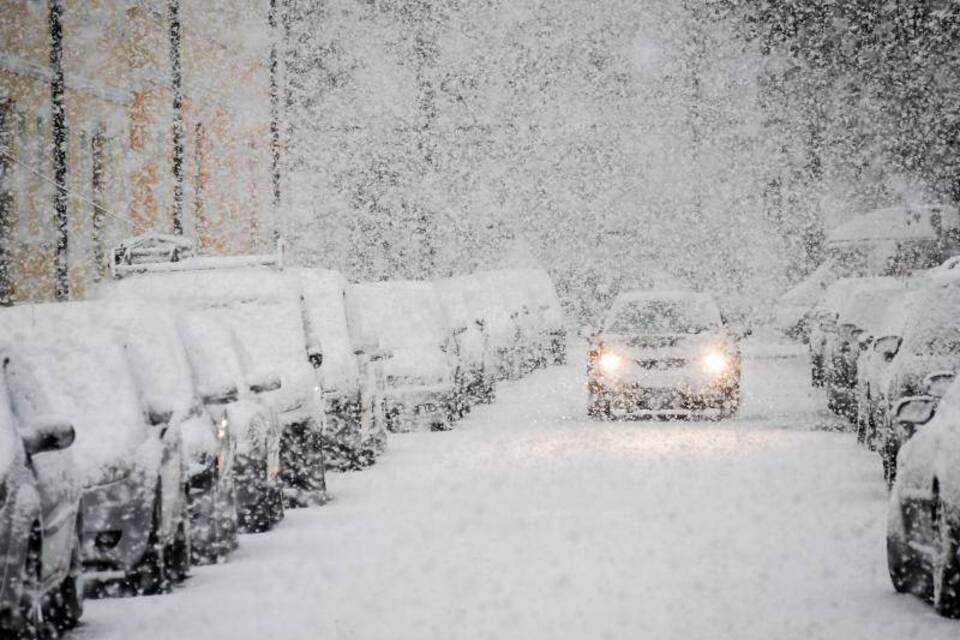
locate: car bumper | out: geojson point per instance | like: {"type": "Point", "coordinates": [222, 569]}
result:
{"type": "Point", "coordinates": [117, 519]}
{"type": "Point", "coordinates": [637, 396]}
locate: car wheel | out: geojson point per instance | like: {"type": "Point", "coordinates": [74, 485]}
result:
{"type": "Point", "coordinates": [904, 567]}
{"type": "Point", "coordinates": [731, 405]}
{"type": "Point", "coordinates": [946, 566]}
{"type": "Point", "coordinates": [68, 605]}
{"type": "Point", "coordinates": [177, 556]}
{"type": "Point", "coordinates": [599, 407]}
{"type": "Point", "coordinates": [150, 577]}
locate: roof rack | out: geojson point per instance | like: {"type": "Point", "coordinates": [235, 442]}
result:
{"type": "Point", "coordinates": [159, 253]}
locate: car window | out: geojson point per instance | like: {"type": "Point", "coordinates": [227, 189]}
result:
{"type": "Point", "coordinates": [662, 317]}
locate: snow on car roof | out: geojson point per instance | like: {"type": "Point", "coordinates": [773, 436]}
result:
{"type": "Point", "coordinates": [79, 361]}
{"type": "Point", "coordinates": [808, 291]}
{"type": "Point", "coordinates": [212, 351]}
{"type": "Point", "coordinates": [325, 324]}
{"type": "Point", "coordinates": [156, 354]}
{"type": "Point", "coordinates": [540, 286]}
{"type": "Point", "coordinates": [933, 316]}
{"type": "Point", "coordinates": [859, 306]}
{"type": "Point", "coordinates": [397, 313]}
{"type": "Point", "coordinates": [910, 222]}
{"type": "Point", "coordinates": [260, 304]}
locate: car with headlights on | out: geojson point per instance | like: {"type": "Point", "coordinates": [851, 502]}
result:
{"type": "Point", "coordinates": [406, 320]}
{"type": "Point", "coordinates": [39, 510]}
{"type": "Point", "coordinates": [663, 352]}
{"type": "Point", "coordinates": [923, 522]}
{"type": "Point", "coordinates": [130, 465]}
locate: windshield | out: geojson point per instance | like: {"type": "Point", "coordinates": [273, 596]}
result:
{"type": "Point", "coordinates": [663, 317]}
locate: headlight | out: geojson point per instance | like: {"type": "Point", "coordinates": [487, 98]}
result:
{"type": "Point", "coordinates": [716, 362]}
{"type": "Point", "coordinates": [611, 362]}
{"type": "Point", "coordinates": [222, 428]}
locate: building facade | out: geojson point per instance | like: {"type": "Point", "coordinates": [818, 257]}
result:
{"type": "Point", "coordinates": [165, 127]}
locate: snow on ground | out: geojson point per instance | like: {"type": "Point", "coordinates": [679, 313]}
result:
{"type": "Point", "coordinates": [530, 521]}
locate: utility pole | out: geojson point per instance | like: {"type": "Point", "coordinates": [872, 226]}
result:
{"type": "Point", "coordinates": [61, 265]}
{"type": "Point", "coordinates": [176, 81]}
{"type": "Point", "coordinates": [275, 119]}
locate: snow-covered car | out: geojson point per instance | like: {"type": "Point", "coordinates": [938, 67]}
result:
{"type": "Point", "coordinates": [262, 306]}
{"type": "Point", "coordinates": [355, 430]}
{"type": "Point", "coordinates": [856, 317]}
{"type": "Point", "coordinates": [892, 241]}
{"type": "Point", "coordinates": [167, 383]}
{"type": "Point", "coordinates": [40, 563]}
{"type": "Point", "coordinates": [663, 352]}
{"type": "Point", "coordinates": [792, 310]}
{"type": "Point", "coordinates": [923, 523]}
{"type": "Point", "coordinates": [551, 333]}
{"type": "Point", "coordinates": [878, 346]}
{"type": "Point", "coordinates": [246, 424]}
{"type": "Point", "coordinates": [823, 325]}
{"type": "Point", "coordinates": [462, 299]}
{"type": "Point", "coordinates": [406, 320]}
{"type": "Point", "coordinates": [931, 343]}
{"type": "Point", "coordinates": [895, 240]}
{"type": "Point", "coordinates": [509, 321]}
{"type": "Point", "coordinates": [129, 461]}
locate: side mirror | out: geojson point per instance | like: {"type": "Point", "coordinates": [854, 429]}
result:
{"type": "Point", "coordinates": [937, 383]}
{"type": "Point", "coordinates": [266, 383]}
{"type": "Point", "coordinates": [382, 354]}
{"type": "Point", "coordinates": [914, 410]}
{"type": "Point", "coordinates": [316, 359]}
{"type": "Point", "coordinates": [48, 434]}
{"type": "Point", "coordinates": [158, 416]}
{"type": "Point", "coordinates": [888, 346]}
{"type": "Point", "coordinates": [225, 395]}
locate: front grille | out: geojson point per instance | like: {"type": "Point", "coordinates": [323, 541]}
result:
{"type": "Point", "coordinates": [661, 363]}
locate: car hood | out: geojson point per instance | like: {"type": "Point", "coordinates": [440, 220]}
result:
{"type": "Point", "coordinates": [685, 346]}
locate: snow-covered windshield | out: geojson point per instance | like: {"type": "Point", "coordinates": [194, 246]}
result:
{"type": "Point", "coordinates": [652, 316]}
{"type": "Point", "coordinates": [397, 315]}
{"type": "Point", "coordinates": [932, 329]}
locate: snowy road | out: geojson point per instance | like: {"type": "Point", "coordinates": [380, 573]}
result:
{"type": "Point", "coordinates": [529, 521]}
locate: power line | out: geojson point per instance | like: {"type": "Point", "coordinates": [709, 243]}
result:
{"type": "Point", "coordinates": [66, 190]}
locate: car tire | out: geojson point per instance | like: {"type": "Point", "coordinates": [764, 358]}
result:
{"type": "Point", "coordinates": [599, 407]}
{"type": "Point", "coordinates": [946, 567]}
{"type": "Point", "coordinates": [149, 577]}
{"type": "Point", "coordinates": [177, 555]}
{"type": "Point", "coordinates": [731, 405]}
{"type": "Point", "coordinates": [905, 569]}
